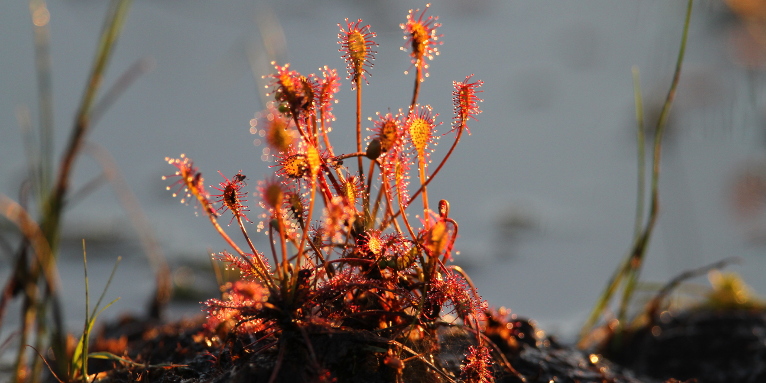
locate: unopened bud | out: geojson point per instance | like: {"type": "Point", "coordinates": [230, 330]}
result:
{"type": "Point", "coordinates": [443, 208]}
{"type": "Point", "coordinates": [373, 149]}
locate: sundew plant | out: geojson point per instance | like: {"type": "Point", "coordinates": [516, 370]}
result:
{"type": "Point", "coordinates": [350, 247]}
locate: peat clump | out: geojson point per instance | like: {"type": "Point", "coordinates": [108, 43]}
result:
{"type": "Point", "coordinates": [186, 351]}
{"type": "Point", "coordinates": [711, 345]}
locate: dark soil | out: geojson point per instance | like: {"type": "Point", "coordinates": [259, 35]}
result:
{"type": "Point", "coordinates": [697, 345]}
{"type": "Point", "coordinates": [710, 345]}
{"type": "Point", "coordinates": [187, 352]}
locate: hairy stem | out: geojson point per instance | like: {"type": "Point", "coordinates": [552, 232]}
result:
{"type": "Point", "coordinates": [423, 181]}
{"type": "Point", "coordinates": [441, 164]}
{"type": "Point", "coordinates": [358, 81]}
{"type": "Point", "coordinates": [416, 88]}
{"type": "Point", "coordinates": [261, 268]}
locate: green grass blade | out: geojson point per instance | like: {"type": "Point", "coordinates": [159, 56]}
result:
{"type": "Point", "coordinates": [79, 361]}
{"type": "Point", "coordinates": [43, 172]}
{"type": "Point", "coordinates": [641, 247]}
{"type": "Point", "coordinates": [115, 19]}
{"type": "Point", "coordinates": [108, 282]}
{"type": "Point", "coordinates": [630, 268]}
{"type": "Point", "coordinates": [641, 143]}
{"type": "Point", "coordinates": [109, 356]}
{"type": "Point", "coordinates": [85, 339]}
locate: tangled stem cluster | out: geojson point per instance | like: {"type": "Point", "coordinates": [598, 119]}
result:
{"type": "Point", "coordinates": [344, 249]}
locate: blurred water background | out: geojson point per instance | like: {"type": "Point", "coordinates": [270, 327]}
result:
{"type": "Point", "coordinates": [544, 189]}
